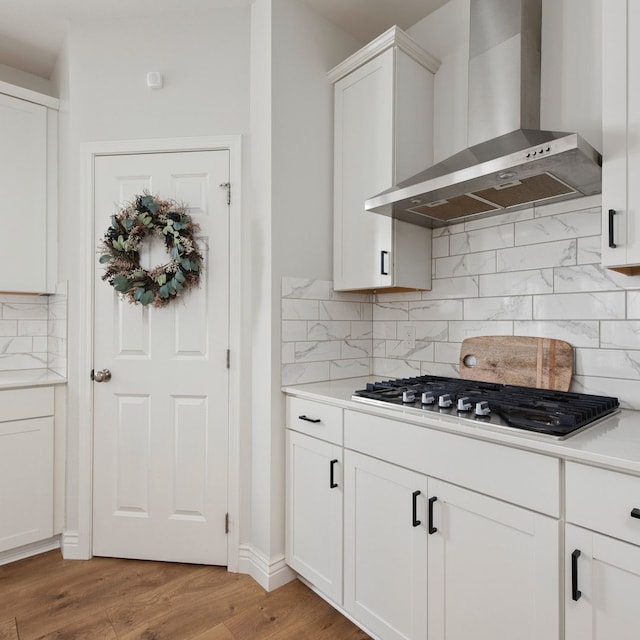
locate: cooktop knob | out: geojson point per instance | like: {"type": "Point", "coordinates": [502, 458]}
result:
{"type": "Point", "coordinates": [482, 408]}
{"type": "Point", "coordinates": [464, 404]}
{"type": "Point", "coordinates": [408, 396]}
{"type": "Point", "coordinates": [445, 400]}
{"type": "Point", "coordinates": [428, 397]}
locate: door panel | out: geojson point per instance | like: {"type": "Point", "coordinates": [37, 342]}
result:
{"type": "Point", "coordinates": [161, 422]}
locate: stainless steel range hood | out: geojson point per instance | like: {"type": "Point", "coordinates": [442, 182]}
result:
{"type": "Point", "coordinates": [511, 163]}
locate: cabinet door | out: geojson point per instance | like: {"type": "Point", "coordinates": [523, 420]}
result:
{"type": "Point", "coordinates": [363, 166]}
{"type": "Point", "coordinates": [493, 569]}
{"type": "Point", "coordinates": [26, 482]}
{"type": "Point", "coordinates": [314, 512]}
{"type": "Point", "coordinates": [602, 587]}
{"type": "Point", "coordinates": [385, 573]}
{"type": "Point", "coordinates": [23, 195]}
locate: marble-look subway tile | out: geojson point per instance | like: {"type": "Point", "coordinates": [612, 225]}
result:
{"type": "Point", "coordinates": [517, 283]}
{"type": "Point", "coordinates": [10, 361]}
{"type": "Point", "coordinates": [549, 254]}
{"type": "Point", "coordinates": [440, 246]}
{"type": "Point", "coordinates": [328, 330]}
{"type": "Point", "coordinates": [295, 309]}
{"type": "Point", "coordinates": [481, 240]}
{"type": "Point", "coordinates": [503, 308]}
{"type": "Point", "coordinates": [294, 330]}
{"type": "Point", "coordinates": [390, 311]}
{"type": "Point", "coordinates": [499, 219]}
{"type": "Point", "coordinates": [608, 363]}
{"type": "Point", "coordinates": [32, 327]}
{"type": "Point", "coordinates": [25, 311]}
{"type": "Point", "coordinates": [434, 331]}
{"type": "Point", "coordinates": [361, 329]}
{"type": "Point", "coordinates": [21, 345]}
{"type": "Point", "coordinates": [379, 348]}
{"type": "Point", "coordinates": [18, 298]}
{"type": "Point", "coordinates": [350, 296]}
{"type": "Point", "coordinates": [459, 330]}
{"type": "Point", "coordinates": [305, 372]}
{"type": "Point", "coordinates": [397, 296]}
{"type": "Point", "coordinates": [439, 369]}
{"type": "Point", "coordinates": [620, 334]}
{"type": "Point", "coordinates": [391, 368]}
{"type": "Point", "coordinates": [316, 351]}
{"type": "Point", "coordinates": [577, 204]}
{"type": "Point", "coordinates": [447, 231]}
{"type": "Point", "coordinates": [385, 330]}
{"type": "Point", "coordinates": [465, 287]}
{"type": "Point", "coordinates": [306, 288]}
{"type": "Point", "coordinates": [559, 227]}
{"type": "Point", "coordinates": [353, 368]}
{"type": "Point", "coordinates": [334, 310]}
{"type": "Point", "coordinates": [471, 264]}
{"type": "Point", "coordinates": [356, 349]}
{"type": "Point", "coordinates": [288, 352]}
{"type": "Point", "coordinates": [42, 343]}
{"type": "Point", "coordinates": [590, 250]}
{"type": "Point", "coordinates": [420, 351]}
{"type": "Point", "coordinates": [447, 352]}
{"type": "Point", "coordinates": [435, 310]}
{"type": "Point", "coordinates": [580, 306]}
{"type": "Point", "coordinates": [627, 391]}
{"type": "Point", "coordinates": [591, 277]}
{"type": "Point", "coordinates": [577, 333]}
{"type": "Point", "coordinates": [633, 305]}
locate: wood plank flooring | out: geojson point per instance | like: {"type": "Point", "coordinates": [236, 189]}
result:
{"type": "Point", "coordinates": [48, 598]}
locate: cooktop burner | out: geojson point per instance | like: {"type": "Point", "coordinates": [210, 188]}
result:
{"type": "Point", "coordinates": [558, 414]}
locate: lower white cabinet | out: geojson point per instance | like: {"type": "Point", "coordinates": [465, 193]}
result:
{"type": "Point", "coordinates": [385, 547]}
{"type": "Point", "coordinates": [602, 592]}
{"type": "Point", "coordinates": [26, 466]}
{"type": "Point", "coordinates": [314, 512]}
{"type": "Point", "coordinates": [425, 558]}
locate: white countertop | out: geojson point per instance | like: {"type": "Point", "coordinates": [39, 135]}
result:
{"type": "Point", "coordinates": [29, 378]}
{"type": "Point", "coordinates": [613, 443]}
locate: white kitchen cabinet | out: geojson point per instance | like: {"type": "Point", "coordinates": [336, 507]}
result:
{"type": "Point", "coordinates": [314, 494]}
{"type": "Point", "coordinates": [620, 136]}
{"type": "Point", "coordinates": [385, 547]}
{"type": "Point", "coordinates": [28, 192]}
{"type": "Point", "coordinates": [26, 466]}
{"type": "Point", "coordinates": [493, 569]}
{"type": "Point", "coordinates": [383, 134]}
{"type": "Point", "coordinates": [314, 512]}
{"type": "Point", "coordinates": [602, 554]}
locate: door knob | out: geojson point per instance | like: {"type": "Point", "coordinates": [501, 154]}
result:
{"type": "Point", "coordinates": [103, 375]}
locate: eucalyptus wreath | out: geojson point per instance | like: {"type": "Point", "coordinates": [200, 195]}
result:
{"type": "Point", "coordinates": [120, 251]}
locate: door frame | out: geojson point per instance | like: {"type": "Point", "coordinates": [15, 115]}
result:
{"type": "Point", "coordinates": [79, 544]}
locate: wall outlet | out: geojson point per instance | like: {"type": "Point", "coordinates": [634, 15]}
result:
{"type": "Point", "coordinates": [408, 334]}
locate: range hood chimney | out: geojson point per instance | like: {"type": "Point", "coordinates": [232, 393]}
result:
{"type": "Point", "coordinates": [510, 163]}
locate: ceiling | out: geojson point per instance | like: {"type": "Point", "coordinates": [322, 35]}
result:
{"type": "Point", "coordinates": [32, 31]}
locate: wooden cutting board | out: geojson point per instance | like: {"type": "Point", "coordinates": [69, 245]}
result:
{"type": "Point", "coordinates": [544, 363]}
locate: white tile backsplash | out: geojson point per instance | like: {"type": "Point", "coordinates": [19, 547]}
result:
{"type": "Point", "coordinates": [534, 272]}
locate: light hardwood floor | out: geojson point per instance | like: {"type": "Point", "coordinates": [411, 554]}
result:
{"type": "Point", "coordinates": [46, 597]}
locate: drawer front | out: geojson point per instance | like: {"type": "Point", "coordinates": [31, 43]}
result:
{"type": "Point", "coordinates": [20, 404]}
{"type": "Point", "coordinates": [523, 478]}
{"type": "Point", "coordinates": [603, 501]}
{"type": "Point", "coordinates": [316, 419]}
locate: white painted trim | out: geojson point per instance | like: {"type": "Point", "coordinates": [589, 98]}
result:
{"type": "Point", "coordinates": [81, 546]}
{"type": "Point", "coordinates": [52, 201]}
{"type": "Point", "coordinates": [29, 95]}
{"type": "Point", "coordinates": [28, 550]}
{"type": "Point", "coordinates": [70, 545]}
{"type": "Point", "coordinates": [268, 573]}
{"type": "Point", "coordinates": [393, 37]}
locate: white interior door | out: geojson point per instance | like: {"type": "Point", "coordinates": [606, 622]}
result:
{"type": "Point", "coordinates": [161, 422]}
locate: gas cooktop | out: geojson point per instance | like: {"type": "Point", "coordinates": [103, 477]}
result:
{"type": "Point", "coordinates": [556, 414]}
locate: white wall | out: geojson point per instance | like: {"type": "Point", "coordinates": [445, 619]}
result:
{"type": "Point", "coordinates": [100, 79]}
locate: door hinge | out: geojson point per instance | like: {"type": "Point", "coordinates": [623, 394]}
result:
{"type": "Point", "coordinates": [226, 523]}
{"type": "Point", "coordinates": [92, 373]}
{"type": "Point", "coordinates": [228, 358]}
{"type": "Point", "coordinates": [227, 186]}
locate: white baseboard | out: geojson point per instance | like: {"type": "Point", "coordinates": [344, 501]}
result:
{"type": "Point", "coordinates": [269, 573]}
{"type": "Point", "coordinates": [28, 550]}
{"type": "Point", "coordinates": [72, 549]}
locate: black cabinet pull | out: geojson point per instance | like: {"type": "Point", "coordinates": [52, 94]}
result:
{"type": "Point", "coordinates": [307, 419]}
{"type": "Point", "coordinates": [635, 513]}
{"type": "Point", "coordinates": [414, 503]}
{"type": "Point", "coordinates": [383, 271]}
{"type": "Point", "coordinates": [575, 592]}
{"type": "Point", "coordinates": [332, 483]}
{"type": "Point", "coordinates": [612, 244]}
{"type": "Point", "coordinates": [432, 529]}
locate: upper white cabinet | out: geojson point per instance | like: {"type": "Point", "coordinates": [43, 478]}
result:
{"type": "Point", "coordinates": [28, 200]}
{"type": "Point", "coordinates": [620, 136]}
{"type": "Point", "coordinates": [383, 134]}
